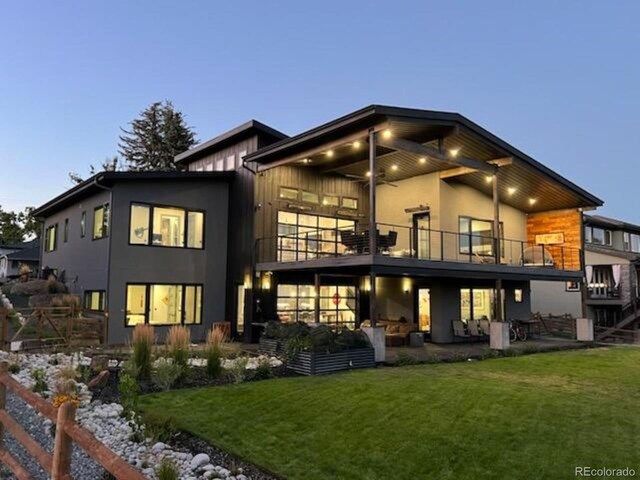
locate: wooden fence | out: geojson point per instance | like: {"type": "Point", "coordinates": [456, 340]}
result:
{"type": "Point", "coordinates": [39, 327]}
{"type": "Point", "coordinates": [557, 325]}
{"type": "Point", "coordinates": [68, 432]}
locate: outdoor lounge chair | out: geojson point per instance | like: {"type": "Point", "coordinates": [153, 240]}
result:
{"type": "Point", "coordinates": [474, 330]}
{"type": "Point", "coordinates": [485, 326]}
{"type": "Point", "coordinates": [458, 329]}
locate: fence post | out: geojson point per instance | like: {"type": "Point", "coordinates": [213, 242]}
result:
{"type": "Point", "coordinates": [62, 446]}
{"type": "Point", "coordinates": [4, 369]}
{"type": "Point", "coordinates": [4, 318]}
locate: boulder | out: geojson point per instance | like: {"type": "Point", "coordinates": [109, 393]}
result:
{"type": "Point", "coordinates": [198, 460]}
{"type": "Point", "coordinates": [99, 363]}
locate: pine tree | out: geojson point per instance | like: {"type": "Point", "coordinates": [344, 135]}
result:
{"type": "Point", "coordinates": [155, 138]}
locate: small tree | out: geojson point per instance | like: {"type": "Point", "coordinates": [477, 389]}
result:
{"type": "Point", "coordinates": [155, 138]}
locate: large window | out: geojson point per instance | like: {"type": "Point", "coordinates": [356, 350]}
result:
{"type": "Point", "coordinates": [478, 304]}
{"type": "Point", "coordinates": [101, 222]}
{"type": "Point", "coordinates": [94, 300]}
{"type": "Point", "coordinates": [304, 236]}
{"type": "Point", "coordinates": [631, 242]}
{"type": "Point", "coordinates": [597, 236]}
{"type": "Point", "coordinates": [160, 304]}
{"type": "Point", "coordinates": [296, 303]}
{"type": "Point", "coordinates": [476, 236]}
{"type": "Point", "coordinates": [169, 226]}
{"type": "Point", "coordinates": [50, 238]}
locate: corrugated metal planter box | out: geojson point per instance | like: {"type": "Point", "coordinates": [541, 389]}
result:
{"type": "Point", "coordinates": [316, 363]}
{"type": "Point", "coordinates": [269, 346]}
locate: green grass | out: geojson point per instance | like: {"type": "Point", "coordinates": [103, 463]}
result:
{"type": "Point", "coordinates": [535, 416]}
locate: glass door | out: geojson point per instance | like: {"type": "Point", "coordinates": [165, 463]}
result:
{"type": "Point", "coordinates": [421, 241]}
{"type": "Point", "coordinates": [424, 310]}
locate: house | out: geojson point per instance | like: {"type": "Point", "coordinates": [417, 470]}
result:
{"type": "Point", "coordinates": [13, 259]}
{"type": "Point", "coordinates": [412, 219]}
{"type": "Point", "coordinates": [612, 263]}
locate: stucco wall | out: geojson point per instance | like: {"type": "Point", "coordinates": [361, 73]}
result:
{"type": "Point", "coordinates": [83, 260]}
{"type": "Point", "coordinates": [148, 264]}
{"type": "Point", "coordinates": [552, 298]}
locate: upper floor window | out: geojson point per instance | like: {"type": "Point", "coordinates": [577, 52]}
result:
{"type": "Point", "coordinates": [331, 200]}
{"type": "Point", "coordinates": [631, 242]}
{"type": "Point", "coordinates": [50, 238]}
{"type": "Point", "coordinates": [597, 236]}
{"type": "Point", "coordinates": [166, 226]}
{"type": "Point", "coordinates": [289, 193]}
{"type": "Point", "coordinates": [348, 202]}
{"type": "Point", "coordinates": [83, 224]}
{"type": "Point", "coordinates": [476, 236]}
{"type": "Point", "coordinates": [101, 222]}
{"type": "Point", "coordinates": [310, 197]}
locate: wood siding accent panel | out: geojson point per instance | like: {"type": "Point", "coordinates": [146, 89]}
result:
{"type": "Point", "coordinates": [568, 222]}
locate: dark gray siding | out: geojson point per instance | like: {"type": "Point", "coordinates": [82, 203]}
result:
{"type": "Point", "coordinates": [84, 261]}
{"type": "Point", "coordinates": [148, 264]}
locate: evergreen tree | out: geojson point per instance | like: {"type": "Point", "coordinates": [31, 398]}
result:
{"type": "Point", "coordinates": [155, 138]}
{"type": "Point", "coordinates": [109, 165]}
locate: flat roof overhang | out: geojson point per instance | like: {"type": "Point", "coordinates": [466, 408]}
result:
{"type": "Point", "coordinates": [340, 148]}
{"type": "Point", "coordinates": [385, 265]}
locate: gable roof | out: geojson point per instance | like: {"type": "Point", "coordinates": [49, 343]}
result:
{"type": "Point", "coordinates": [245, 130]}
{"type": "Point", "coordinates": [610, 222]}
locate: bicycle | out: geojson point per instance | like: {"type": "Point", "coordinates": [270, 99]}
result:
{"type": "Point", "coordinates": [517, 331]}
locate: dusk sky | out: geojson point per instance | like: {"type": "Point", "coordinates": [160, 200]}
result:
{"type": "Point", "coordinates": [558, 80]}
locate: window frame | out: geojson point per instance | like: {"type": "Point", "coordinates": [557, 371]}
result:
{"type": "Point", "coordinates": [313, 194]}
{"type": "Point", "coordinates": [568, 288]}
{"type": "Point", "coordinates": [47, 234]}
{"type": "Point", "coordinates": [296, 312]}
{"type": "Point", "coordinates": [470, 236]}
{"type": "Point", "coordinates": [607, 234]}
{"type": "Point", "coordinates": [326, 196]}
{"type": "Point", "coordinates": [283, 188]}
{"type": "Point", "coordinates": [106, 225]}
{"type": "Point", "coordinates": [151, 207]}
{"type": "Point", "coordinates": [147, 309]}
{"type": "Point", "coordinates": [355, 200]}
{"type": "Point", "coordinates": [102, 298]}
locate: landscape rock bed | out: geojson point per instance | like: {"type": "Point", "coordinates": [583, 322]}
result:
{"type": "Point", "coordinates": [193, 458]}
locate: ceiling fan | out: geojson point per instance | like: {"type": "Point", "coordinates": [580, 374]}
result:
{"type": "Point", "coordinates": [380, 178]}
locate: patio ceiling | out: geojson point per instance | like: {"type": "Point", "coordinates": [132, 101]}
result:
{"type": "Point", "coordinates": [341, 148]}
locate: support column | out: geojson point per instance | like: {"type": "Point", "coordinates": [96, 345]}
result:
{"type": "Point", "coordinates": [497, 243]}
{"type": "Point", "coordinates": [375, 334]}
{"type": "Point", "coordinates": [373, 175]}
{"type": "Point", "coordinates": [373, 311]}
{"type": "Point", "coordinates": [316, 284]}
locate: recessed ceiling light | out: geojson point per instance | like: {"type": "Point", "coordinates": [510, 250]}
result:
{"type": "Point", "coordinates": [306, 160]}
{"type": "Point", "coordinates": [454, 152]}
{"type": "Point", "coordinates": [423, 160]}
{"type": "Point", "coordinates": [356, 145]}
{"type": "Point", "coordinates": [386, 133]}
{"type": "Point", "coordinates": [511, 190]}
{"type": "Point", "coordinates": [532, 201]}
{"type": "Point", "coordinates": [488, 178]}
{"type": "Point", "coordinates": [368, 174]}
{"type": "Point", "coordinates": [329, 153]}
{"type": "Point", "coordinates": [394, 167]}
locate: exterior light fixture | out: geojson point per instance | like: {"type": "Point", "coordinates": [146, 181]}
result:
{"type": "Point", "coordinates": [368, 174]}
{"type": "Point", "coordinates": [532, 201]}
{"type": "Point", "coordinates": [386, 133]}
{"type": "Point", "coordinates": [454, 152]}
{"type": "Point", "coordinates": [488, 178]}
{"type": "Point", "coordinates": [394, 167]}
{"type": "Point", "coordinates": [329, 153]}
{"type": "Point", "coordinates": [356, 145]}
{"type": "Point", "coordinates": [423, 160]}
{"type": "Point", "coordinates": [511, 190]}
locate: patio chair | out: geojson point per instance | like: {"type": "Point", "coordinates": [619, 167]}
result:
{"type": "Point", "coordinates": [474, 330]}
{"type": "Point", "coordinates": [458, 329]}
{"type": "Point", "coordinates": [485, 326]}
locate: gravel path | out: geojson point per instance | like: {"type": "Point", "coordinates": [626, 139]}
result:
{"type": "Point", "coordinates": [82, 466]}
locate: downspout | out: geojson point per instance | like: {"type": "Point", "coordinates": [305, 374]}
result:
{"type": "Point", "coordinates": [96, 183]}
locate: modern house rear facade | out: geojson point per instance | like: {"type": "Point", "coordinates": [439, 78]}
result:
{"type": "Point", "coordinates": [415, 220]}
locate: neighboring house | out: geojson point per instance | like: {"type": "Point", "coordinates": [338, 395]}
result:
{"type": "Point", "coordinates": [11, 261]}
{"type": "Point", "coordinates": [612, 259]}
{"type": "Point", "coordinates": [387, 215]}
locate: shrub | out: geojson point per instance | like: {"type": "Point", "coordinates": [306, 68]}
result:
{"type": "Point", "coordinates": [53, 286]}
{"type": "Point", "coordinates": [273, 330]}
{"type": "Point", "coordinates": [238, 369]}
{"type": "Point", "coordinates": [159, 428]}
{"type": "Point", "coordinates": [167, 470]}
{"type": "Point", "coordinates": [129, 393]}
{"type": "Point", "coordinates": [143, 339]}
{"type": "Point", "coordinates": [178, 340]}
{"type": "Point", "coordinates": [14, 368]}
{"type": "Point", "coordinates": [263, 370]}
{"type": "Point", "coordinates": [165, 373]}
{"type": "Point", "coordinates": [405, 359]}
{"type": "Point", "coordinates": [213, 350]}
{"type": "Point", "coordinates": [41, 385]}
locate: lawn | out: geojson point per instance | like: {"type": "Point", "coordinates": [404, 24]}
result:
{"type": "Point", "coordinates": [535, 416]}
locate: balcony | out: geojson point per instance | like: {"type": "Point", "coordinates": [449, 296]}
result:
{"type": "Point", "coordinates": [419, 245]}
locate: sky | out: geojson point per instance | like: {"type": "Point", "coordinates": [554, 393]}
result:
{"type": "Point", "coordinates": [558, 80]}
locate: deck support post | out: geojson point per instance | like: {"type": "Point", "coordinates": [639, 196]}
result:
{"type": "Point", "coordinates": [498, 247]}
{"type": "Point", "coordinates": [373, 312]}
{"type": "Point", "coordinates": [373, 231]}
{"type": "Point", "coordinates": [316, 291]}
